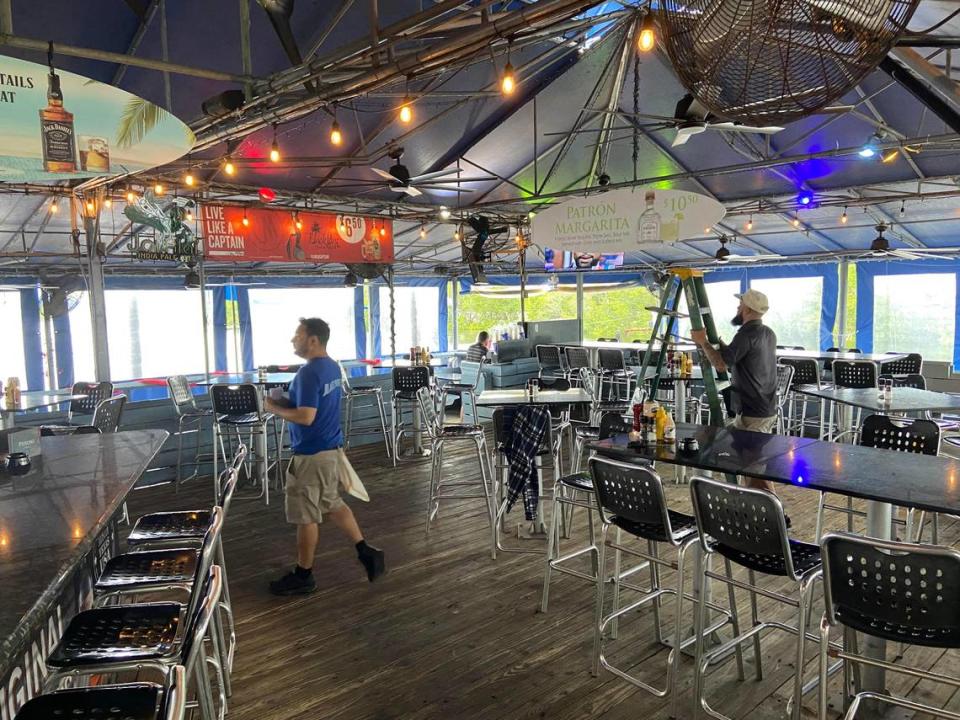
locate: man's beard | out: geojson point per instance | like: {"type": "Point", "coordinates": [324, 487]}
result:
{"type": "Point", "coordinates": [737, 320]}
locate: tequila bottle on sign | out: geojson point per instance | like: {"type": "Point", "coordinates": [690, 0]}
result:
{"type": "Point", "coordinates": [648, 225]}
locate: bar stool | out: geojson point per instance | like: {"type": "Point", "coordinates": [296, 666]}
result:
{"type": "Point", "coordinates": [130, 701]}
{"type": "Point", "coordinates": [851, 374]}
{"type": "Point", "coordinates": [806, 371]}
{"type": "Point", "coordinates": [238, 409]}
{"type": "Point", "coordinates": [566, 498]}
{"type": "Point", "coordinates": [441, 434]}
{"type": "Point", "coordinates": [909, 435]}
{"type": "Point", "coordinates": [461, 390]}
{"type": "Point", "coordinates": [747, 527]}
{"type": "Point", "coordinates": [912, 364]}
{"type": "Point", "coordinates": [106, 418]}
{"type": "Point", "coordinates": [550, 361]}
{"type": "Point", "coordinates": [613, 370]}
{"type": "Point", "coordinates": [894, 591]}
{"type": "Point", "coordinates": [352, 393]}
{"type": "Point", "coordinates": [630, 498]}
{"type": "Point", "coordinates": [190, 419]}
{"type": "Point", "coordinates": [189, 527]}
{"type": "Point", "coordinates": [146, 636]}
{"type": "Point", "coordinates": [784, 382]}
{"type": "Point", "coordinates": [577, 358]}
{"type": "Point", "coordinates": [94, 394]}
{"type": "Point", "coordinates": [828, 364]}
{"type": "Point", "coordinates": [406, 383]}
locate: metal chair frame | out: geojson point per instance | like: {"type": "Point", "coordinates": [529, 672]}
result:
{"type": "Point", "coordinates": [464, 389]}
{"type": "Point", "coordinates": [188, 651]}
{"type": "Point", "coordinates": [784, 383]}
{"type": "Point", "coordinates": [917, 598]}
{"type": "Point", "coordinates": [190, 419]}
{"type": "Point", "coordinates": [805, 372]}
{"type": "Point", "coordinates": [551, 362]}
{"type": "Point", "coordinates": [95, 393]}
{"type": "Point", "coordinates": [612, 369]}
{"type": "Point", "coordinates": [850, 374]}
{"type": "Point", "coordinates": [238, 408]}
{"type": "Point", "coordinates": [577, 358]}
{"type": "Point", "coordinates": [440, 435]}
{"type": "Point", "coordinates": [350, 395]}
{"type": "Point", "coordinates": [412, 379]}
{"type": "Point", "coordinates": [759, 530]}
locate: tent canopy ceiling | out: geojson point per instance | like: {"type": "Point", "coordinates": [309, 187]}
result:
{"type": "Point", "coordinates": [573, 60]}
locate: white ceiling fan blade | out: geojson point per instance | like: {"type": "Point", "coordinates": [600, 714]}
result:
{"type": "Point", "coordinates": [686, 132]}
{"type": "Point", "coordinates": [753, 258]}
{"type": "Point", "coordinates": [409, 190]}
{"type": "Point", "coordinates": [737, 127]}
{"type": "Point", "coordinates": [383, 173]}
{"type": "Point", "coordinates": [435, 175]}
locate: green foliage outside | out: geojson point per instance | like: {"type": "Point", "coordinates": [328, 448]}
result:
{"type": "Point", "coordinates": [618, 314]}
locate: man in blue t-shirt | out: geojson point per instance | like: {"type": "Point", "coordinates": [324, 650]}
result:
{"type": "Point", "coordinates": [318, 465]}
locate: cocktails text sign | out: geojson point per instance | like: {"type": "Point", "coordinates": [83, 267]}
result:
{"type": "Point", "coordinates": [236, 234]}
{"type": "Point", "coordinates": [625, 220]}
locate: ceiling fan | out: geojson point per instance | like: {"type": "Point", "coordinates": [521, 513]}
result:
{"type": "Point", "coordinates": [880, 248]}
{"type": "Point", "coordinates": [723, 255]}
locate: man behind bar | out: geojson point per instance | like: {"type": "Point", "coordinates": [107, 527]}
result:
{"type": "Point", "coordinates": [317, 468]}
{"type": "Point", "coordinates": [478, 351]}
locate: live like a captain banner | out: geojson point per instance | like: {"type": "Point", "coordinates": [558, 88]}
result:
{"type": "Point", "coordinates": [236, 234]}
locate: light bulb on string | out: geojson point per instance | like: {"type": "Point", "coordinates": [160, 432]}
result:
{"type": "Point", "coordinates": [843, 218]}
{"type": "Point", "coordinates": [750, 223]}
{"type": "Point", "coordinates": [54, 206]}
{"type": "Point", "coordinates": [336, 137]}
{"type": "Point", "coordinates": [508, 82]}
{"type": "Point", "coordinates": [647, 40]}
{"type": "Point", "coordinates": [91, 206]}
{"type": "Point", "coordinates": [158, 189]}
{"type": "Point", "coordinates": [383, 230]}
{"type": "Point", "coordinates": [423, 232]}
{"type": "Point", "coordinates": [189, 216]}
{"type": "Point", "coordinates": [131, 196]}
{"type": "Point", "coordinates": [188, 179]}
{"type": "Point", "coordinates": [245, 220]}
{"type": "Point", "coordinates": [228, 167]}
{"type": "Point", "coordinates": [343, 226]}
{"type": "Point", "coordinates": [275, 147]}
{"type": "Point", "coordinates": [297, 222]}
{"type": "Point", "coordinates": [796, 222]}
{"type": "Point", "coordinates": [108, 202]}
{"type": "Point", "coordinates": [456, 233]}
{"type": "Point", "coordinates": [903, 208]}
{"type": "Point", "coordinates": [406, 112]}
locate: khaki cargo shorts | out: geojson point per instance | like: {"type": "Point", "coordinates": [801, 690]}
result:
{"type": "Point", "coordinates": [313, 487]}
{"type": "Point", "coordinates": [756, 424]}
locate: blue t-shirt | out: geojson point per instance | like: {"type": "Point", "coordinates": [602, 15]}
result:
{"type": "Point", "coordinates": [317, 385]}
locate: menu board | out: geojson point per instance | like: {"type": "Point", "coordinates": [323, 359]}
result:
{"type": "Point", "coordinates": [233, 233]}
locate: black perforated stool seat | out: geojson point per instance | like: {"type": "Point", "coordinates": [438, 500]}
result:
{"type": "Point", "coordinates": [183, 525]}
{"type": "Point", "coordinates": [245, 419]}
{"type": "Point", "coordinates": [177, 565]}
{"type": "Point", "coordinates": [944, 637]}
{"type": "Point", "coordinates": [681, 525]}
{"type": "Point", "coordinates": [578, 481]}
{"type": "Point", "coordinates": [122, 633]}
{"type": "Point", "coordinates": [457, 387]}
{"type": "Point", "coordinates": [134, 701]}
{"type": "Point", "coordinates": [805, 557]}
{"type": "Point", "coordinates": [460, 430]}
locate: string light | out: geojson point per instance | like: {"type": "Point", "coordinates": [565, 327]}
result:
{"type": "Point", "coordinates": [796, 222]}
{"type": "Point", "coordinates": [903, 208]}
{"type": "Point", "coordinates": [706, 231]}
{"type": "Point", "coordinates": [423, 232]}
{"type": "Point", "coordinates": [245, 220]}
{"type": "Point", "coordinates": [456, 233]}
{"type": "Point", "coordinates": [444, 212]}
{"type": "Point", "coordinates": [91, 206]}
{"type": "Point", "coordinates": [108, 202]}
{"type": "Point", "coordinates": [188, 179]}
{"type": "Point", "coordinates": [275, 147]}
{"type": "Point", "coordinates": [158, 189]}
{"type": "Point", "coordinates": [406, 112]}
{"type": "Point", "coordinates": [336, 137]}
{"type": "Point", "coordinates": [228, 167]}
{"type": "Point", "coordinates": [508, 82]}
{"type": "Point", "coordinates": [750, 223]}
{"type": "Point", "coordinates": [131, 196]}
{"type": "Point", "coordinates": [843, 218]}
{"type": "Point", "coordinates": [647, 39]}
{"type": "Point", "coordinates": [54, 205]}
{"type": "Point", "coordinates": [189, 216]}
{"type": "Point", "coordinates": [297, 222]}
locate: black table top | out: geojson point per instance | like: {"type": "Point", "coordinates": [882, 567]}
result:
{"type": "Point", "coordinates": [824, 355]}
{"type": "Point", "coordinates": [50, 518]}
{"type": "Point", "coordinates": [922, 481]}
{"type": "Point", "coordinates": [905, 399]}
{"type": "Point", "coordinates": [503, 398]}
{"type": "Point", "coordinates": [38, 400]}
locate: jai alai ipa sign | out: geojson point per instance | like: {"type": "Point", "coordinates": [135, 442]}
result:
{"type": "Point", "coordinates": [274, 235]}
{"type": "Point", "coordinates": [624, 220]}
{"type": "Point", "coordinates": [55, 125]}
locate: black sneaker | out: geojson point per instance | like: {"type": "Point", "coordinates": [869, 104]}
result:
{"type": "Point", "coordinates": [373, 560]}
{"type": "Point", "coordinates": [787, 519]}
{"type": "Point", "coordinates": [293, 584]}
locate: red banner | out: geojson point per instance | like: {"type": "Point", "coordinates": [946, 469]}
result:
{"type": "Point", "coordinates": [293, 236]}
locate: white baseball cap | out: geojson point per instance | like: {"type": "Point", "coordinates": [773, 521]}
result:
{"type": "Point", "coordinates": [755, 300]}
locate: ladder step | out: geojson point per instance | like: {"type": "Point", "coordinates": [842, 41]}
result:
{"type": "Point", "coordinates": [671, 313]}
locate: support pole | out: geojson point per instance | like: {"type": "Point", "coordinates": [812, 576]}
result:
{"type": "Point", "coordinates": [369, 289]}
{"type": "Point", "coordinates": [523, 286]}
{"type": "Point", "coordinates": [246, 63]}
{"type": "Point", "coordinates": [165, 55]}
{"type": "Point", "coordinates": [95, 290]}
{"type": "Point", "coordinates": [580, 305]}
{"type": "Point", "coordinates": [842, 305]}
{"type": "Point", "coordinates": [204, 317]}
{"type": "Point", "coordinates": [455, 298]}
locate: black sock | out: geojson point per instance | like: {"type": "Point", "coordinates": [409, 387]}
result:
{"type": "Point", "coordinates": [302, 572]}
{"type": "Point", "coordinates": [362, 548]}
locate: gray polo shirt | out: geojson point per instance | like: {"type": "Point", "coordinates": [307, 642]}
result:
{"type": "Point", "coordinates": [752, 359]}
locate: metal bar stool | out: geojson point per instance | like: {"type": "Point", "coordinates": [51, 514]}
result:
{"type": "Point", "coordinates": [891, 591]}
{"type": "Point", "coordinates": [441, 434]}
{"type": "Point", "coordinates": [784, 382]}
{"type": "Point", "coordinates": [550, 361]}
{"type": "Point", "coordinates": [630, 498]}
{"type": "Point", "coordinates": [747, 527]}
{"type": "Point", "coordinates": [806, 371]}
{"type": "Point", "coordinates": [94, 394]}
{"type": "Point", "coordinates": [909, 435]}
{"type": "Point", "coordinates": [850, 374]}
{"type": "Point", "coordinates": [146, 636]}
{"type": "Point", "coordinates": [238, 409]}
{"type": "Point", "coordinates": [464, 390]}
{"type": "Point", "coordinates": [566, 498]}
{"type": "Point", "coordinates": [912, 364]}
{"type": "Point", "coordinates": [106, 418]}
{"type": "Point", "coordinates": [406, 383]}
{"type": "Point", "coordinates": [613, 370]}
{"type": "Point", "coordinates": [190, 418]}
{"type": "Point", "coordinates": [352, 393]}
{"type": "Point", "coordinates": [130, 701]}
{"type": "Point", "coordinates": [577, 358]}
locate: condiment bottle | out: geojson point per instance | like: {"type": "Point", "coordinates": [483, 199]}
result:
{"type": "Point", "coordinates": [661, 422]}
{"type": "Point", "coordinates": [669, 430]}
{"type": "Point", "coordinates": [637, 410]}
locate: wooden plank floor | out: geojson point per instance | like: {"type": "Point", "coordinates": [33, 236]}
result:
{"type": "Point", "coordinates": [450, 633]}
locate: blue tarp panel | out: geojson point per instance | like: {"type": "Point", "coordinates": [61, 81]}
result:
{"type": "Point", "coordinates": [359, 329]}
{"type": "Point", "coordinates": [220, 329]}
{"type": "Point", "coordinates": [867, 271]}
{"type": "Point", "coordinates": [63, 343]}
{"type": "Point", "coordinates": [32, 346]}
{"type": "Point", "coordinates": [243, 321]}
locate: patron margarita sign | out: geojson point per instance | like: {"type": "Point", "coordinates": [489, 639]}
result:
{"type": "Point", "coordinates": [293, 236]}
{"type": "Point", "coordinates": [55, 125]}
{"type": "Point", "coordinates": [624, 220]}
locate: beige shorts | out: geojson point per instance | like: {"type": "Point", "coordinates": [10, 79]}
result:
{"type": "Point", "coordinates": [756, 424]}
{"type": "Point", "coordinates": [313, 487]}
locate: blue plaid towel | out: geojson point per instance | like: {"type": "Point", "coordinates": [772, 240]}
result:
{"type": "Point", "coordinates": [530, 425]}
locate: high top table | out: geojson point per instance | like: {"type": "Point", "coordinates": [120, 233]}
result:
{"type": "Point", "coordinates": [57, 530]}
{"type": "Point", "coordinates": [904, 400]}
{"type": "Point", "coordinates": [515, 398]}
{"type": "Point", "coordinates": [849, 356]}
{"type": "Point", "coordinates": [882, 477]}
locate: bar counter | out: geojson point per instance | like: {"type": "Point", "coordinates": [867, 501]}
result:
{"type": "Point", "coordinates": [57, 528]}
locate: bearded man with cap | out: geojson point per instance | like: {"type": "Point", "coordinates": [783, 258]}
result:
{"type": "Point", "coordinates": [751, 359]}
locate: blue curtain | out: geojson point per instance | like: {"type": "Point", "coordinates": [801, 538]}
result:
{"type": "Point", "coordinates": [220, 328]}
{"type": "Point", "coordinates": [32, 346]}
{"type": "Point", "coordinates": [243, 320]}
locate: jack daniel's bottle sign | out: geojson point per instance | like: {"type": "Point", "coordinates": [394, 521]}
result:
{"type": "Point", "coordinates": [56, 131]}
